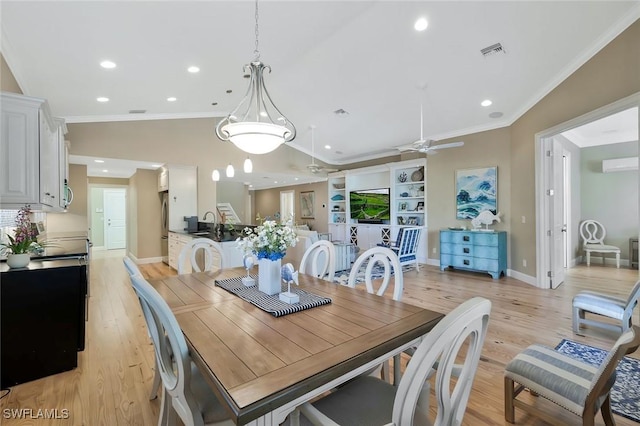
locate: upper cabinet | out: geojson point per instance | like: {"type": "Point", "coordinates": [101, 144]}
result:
{"type": "Point", "coordinates": [32, 156]}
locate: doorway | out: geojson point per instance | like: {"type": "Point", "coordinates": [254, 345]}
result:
{"type": "Point", "coordinates": [287, 206]}
{"type": "Point", "coordinates": [557, 189]}
{"type": "Point", "coordinates": [107, 204]}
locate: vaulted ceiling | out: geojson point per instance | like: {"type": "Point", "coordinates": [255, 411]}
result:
{"type": "Point", "coordinates": [362, 57]}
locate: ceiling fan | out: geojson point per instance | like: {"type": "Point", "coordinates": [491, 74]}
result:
{"type": "Point", "coordinates": [426, 145]}
{"type": "Point", "coordinates": [313, 167]}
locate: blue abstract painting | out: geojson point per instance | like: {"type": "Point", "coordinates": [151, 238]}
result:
{"type": "Point", "coordinates": [476, 190]}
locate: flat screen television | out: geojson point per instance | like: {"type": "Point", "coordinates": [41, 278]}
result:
{"type": "Point", "coordinates": [370, 205]}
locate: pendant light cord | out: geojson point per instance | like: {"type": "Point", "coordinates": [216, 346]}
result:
{"type": "Point", "coordinates": [256, 51]}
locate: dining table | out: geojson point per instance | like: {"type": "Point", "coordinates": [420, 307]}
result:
{"type": "Point", "coordinates": [263, 366]}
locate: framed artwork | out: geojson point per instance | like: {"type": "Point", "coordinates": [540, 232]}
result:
{"type": "Point", "coordinates": [307, 200]}
{"type": "Point", "coordinates": [403, 206]}
{"type": "Point", "coordinates": [420, 206]}
{"type": "Point", "coordinates": [476, 190]}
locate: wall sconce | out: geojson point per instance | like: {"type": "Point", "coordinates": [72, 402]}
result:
{"type": "Point", "coordinates": [248, 165]}
{"type": "Point", "coordinates": [215, 175]}
{"type": "Point", "coordinates": [230, 171]}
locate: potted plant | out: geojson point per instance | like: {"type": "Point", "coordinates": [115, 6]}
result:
{"type": "Point", "coordinates": [19, 247]}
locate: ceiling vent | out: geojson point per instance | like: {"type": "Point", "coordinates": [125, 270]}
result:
{"type": "Point", "coordinates": [341, 113]}
{"type": "Point", "coordinates": [137, 111]}
{"type": "Point", "coordinates": [492, 50]}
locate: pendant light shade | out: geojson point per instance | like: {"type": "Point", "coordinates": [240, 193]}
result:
{"type": "Point", "coordinates": [230, 171]}
{"type": "Point", "coordinates": [256, 125]}
{"type": "Point", "coordinates": [215, 175]}
{"type": "Point", "coordinates": [248, 165]}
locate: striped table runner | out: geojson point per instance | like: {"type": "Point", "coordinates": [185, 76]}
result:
{"type": "Point", "coordinates": [272, 304]}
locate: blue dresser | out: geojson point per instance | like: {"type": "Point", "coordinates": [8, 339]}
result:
{"type": "Point", "coordinates": [474, 251]}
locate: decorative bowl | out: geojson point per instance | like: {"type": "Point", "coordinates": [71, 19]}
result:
{"type": "Point", "coordinates": [339, 185]}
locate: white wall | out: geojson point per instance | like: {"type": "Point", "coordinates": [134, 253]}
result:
{"type": "Point", "coordinates": [610, 198]}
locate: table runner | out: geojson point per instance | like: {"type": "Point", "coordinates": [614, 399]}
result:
{"type": "Point", "coordinates": [272, 304]}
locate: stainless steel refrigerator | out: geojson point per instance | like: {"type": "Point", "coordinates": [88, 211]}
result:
{"type": "Point", "coordinates": [164, 241]}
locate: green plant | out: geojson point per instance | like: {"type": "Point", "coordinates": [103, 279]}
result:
{"type": "Point", "coordinates": [24, 236]}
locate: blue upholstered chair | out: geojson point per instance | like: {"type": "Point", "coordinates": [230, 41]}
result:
{"type": "Point", "coordinates": [574, 385]}
{"type": "Point", "coordinates": [604, 305]}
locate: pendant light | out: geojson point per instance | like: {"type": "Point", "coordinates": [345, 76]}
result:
{"type": "Point", "coordinates": [248, 165]}
{"type": "Point", "coordinates": [215, 175]}
{"type": "Point", "coordinates": [230, 171]}
{"type": "Point", "coordinates": [256, 125]}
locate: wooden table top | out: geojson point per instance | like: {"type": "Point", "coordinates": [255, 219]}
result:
{"type": "Point", "coordinates": [257, 362]}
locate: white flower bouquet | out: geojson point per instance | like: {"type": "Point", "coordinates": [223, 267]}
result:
{"type": "Point", "coordinates": [269, 240]}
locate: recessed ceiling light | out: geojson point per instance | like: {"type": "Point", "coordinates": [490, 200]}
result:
{"type": "Point", "coordinates": [295, 178]}
{"type": "Point", "coordinates": [486, 103]}
{"type": "Point", "coordinates": [105, 171]}
{"type": "Point", "coordinates": [327, 147]}
{"type": "Point", "coordinates": [107, 64]}
{"type": "Point", "coordinates": [193, 69]}
{"type": "Point", "coordinates": [275, 181]}
{"type": "Point", "coordinates": [172, 99]}
{"type": "Point", "coordinates": [496, 114]}
{"type": "Point", "coordinates": [156, 165]}
{"type": "Point", "coordinates": [421, 24]}
{"type": "Point", "coordinates": [99, 161]}
{"type": "Point", "coordinates": [102, 99]}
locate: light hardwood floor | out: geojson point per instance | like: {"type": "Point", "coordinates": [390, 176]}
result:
{"type": "Point", "coordinates": [113, 378]}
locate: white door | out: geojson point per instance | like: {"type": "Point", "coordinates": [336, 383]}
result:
{"type": "Point", "coordinates": [115, 218]}
{"type": "Point", "coordinates": [558, 224]}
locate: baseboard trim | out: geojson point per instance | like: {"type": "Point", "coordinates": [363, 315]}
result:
{"type": "Point", "coordinates": [522, 277]}
{"type": "Point", "coordinates": [144, 260]}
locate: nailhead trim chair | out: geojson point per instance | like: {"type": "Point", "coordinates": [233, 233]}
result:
{"type": "Point", "coordinates": [607, 306]}
{"type": "Point", "coordinates": [572, 384]}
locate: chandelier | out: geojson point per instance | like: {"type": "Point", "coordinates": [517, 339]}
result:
{"type": "Point", "coordinates": [256, 125]}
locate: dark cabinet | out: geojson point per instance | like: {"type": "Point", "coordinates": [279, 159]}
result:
{"type": "Point", "coordinates": [42, 314]}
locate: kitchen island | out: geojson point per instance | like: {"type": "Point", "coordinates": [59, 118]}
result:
{"type": "Point", "coordinates": [179, 238]}
{"type": "Point", "coordinates": [42, 318]}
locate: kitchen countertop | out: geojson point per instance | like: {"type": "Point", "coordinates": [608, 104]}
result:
{"type": "Point", "coordinates": [42, 264]}
{"type": "Point", "coordinates": [209, 234]}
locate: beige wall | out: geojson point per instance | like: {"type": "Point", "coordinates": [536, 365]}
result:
{"type": "Point", "coordinates": [485, 149]}
{"type": "Point", "coordinates": [75, 218]}
{"type": "Point", "coordinates": [267, 203]}
{"type": "Point", "coordinates": [145, 215]}
{"type": "Point", "coordinates": [8, 82]}
{"type": "Point", "coordinates": [612, 74]}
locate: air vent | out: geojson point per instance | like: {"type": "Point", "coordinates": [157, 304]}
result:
{"type": "Point", "coordinates": [137, 111]}
{"type": "Point", "coordinates": [341, 113]}
{"type": "Point", "coordinates": [492, 50]}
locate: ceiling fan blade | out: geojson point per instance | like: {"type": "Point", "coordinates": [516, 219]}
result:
{"type": "Point", "coordinates": [447, 145]}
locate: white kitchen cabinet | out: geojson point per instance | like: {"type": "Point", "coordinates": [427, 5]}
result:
{"type": "Point", "coordinates": [176, 244]}
{"type": "Point", "coordinates": [183, 194]}
{"type": "Point", "coordinates": [29, 154]}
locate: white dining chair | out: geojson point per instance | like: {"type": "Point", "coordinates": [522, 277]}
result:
{"type": "Point", "coordinates": [370, 401]}
{"type": "Point", "coordinates": [387, 260]}
{"type": "Point", "coordinates": [384, 258]}
{"type": "Point", "coordinates": [132, 269]}
{"type": "Point", "coordinates": [319, 260]}
{"type": "Point", "coordinates": [593, 234]}
{"type": "Point", "coordinates": [186, 393]}
{"type": "Point", "coordinates": [211, 250]}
